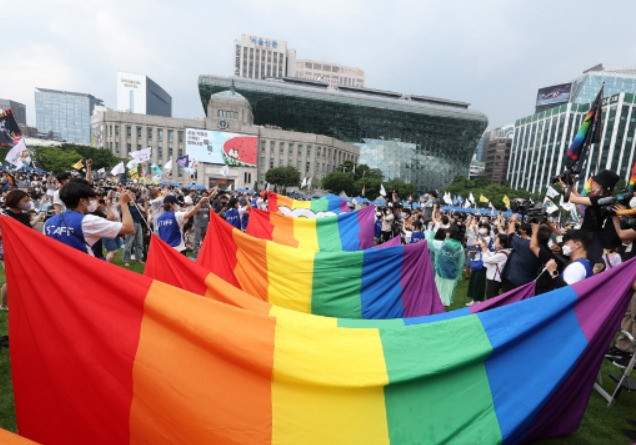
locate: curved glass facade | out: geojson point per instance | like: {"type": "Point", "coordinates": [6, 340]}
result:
{"type": "Point", "coordinates": [424, 141]}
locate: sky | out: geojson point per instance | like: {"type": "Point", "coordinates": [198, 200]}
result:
{"type": "Point", "coordinates": [493, 54]}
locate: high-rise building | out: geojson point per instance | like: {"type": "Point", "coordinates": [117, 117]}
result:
{"type": "Point", "coordinates": [331, 73]}
{"type": "Point", "coordinates": [19, 110]}
{"type": "Point", "coordinates": [497, 153]}
{"type": "Point", "coordinates": [139, 94]}
{"type": "Point", "coordinates": [64, 114]}
{"type": "Point", "coordinates": [423, 140]}
{"type": "Point", "coordinates": [261, 58]}
{"type": "Point", "coordinates": [541, 141]}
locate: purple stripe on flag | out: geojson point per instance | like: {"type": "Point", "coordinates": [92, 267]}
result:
{"type": "Point", "coordinates": [366, 220]}
{"type": "Point", "coordinates": [512, 296]}
{"type": "Point", "coordinates": [599, 319]}
{"type": "Point", "coordinates": [419, 292]}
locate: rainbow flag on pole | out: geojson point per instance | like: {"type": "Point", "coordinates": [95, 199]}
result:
{"type": "Point", "coordinates": [588, 132]}
{"type": "Point", "coordinates": [135, 360]}
{"type": "Point", "coordinates": [392, 282]}
{"type": "Point", "coordinates": [316, 208]}
{"type": "Point", "coordinates": [345, 231]}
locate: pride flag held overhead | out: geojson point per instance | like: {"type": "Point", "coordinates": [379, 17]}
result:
{"type": "Point", "coordinates": [345, 231]}
{"type": "Point", "coordinates": [136, 360]}
{"type": "Point", "coordinates": [325, 206]}
{"type": "Point", "coordinates": [589, 132]}
{"type": "Point", "coordinates": [392, 282]}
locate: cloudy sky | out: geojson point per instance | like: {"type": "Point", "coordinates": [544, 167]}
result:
{"type": "Point", "coordinates": [494, 54]}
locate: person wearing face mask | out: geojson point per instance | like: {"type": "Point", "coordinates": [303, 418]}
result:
{"type": "Point", "coordinates": [575, 243]}
{"type": "Point", "coordinates": [18, 204]}
{"type": "Point", "coordinates": [596, 219]}
{"type": "Point", "coordinates": [169, 226]}
{"type": "Point", "coordinates": [75, 226]}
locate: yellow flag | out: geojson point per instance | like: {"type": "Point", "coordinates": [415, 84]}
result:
{"type": "Point", "coordinates": [506, 201]}
{"type": "Point", "coordinates": [78, 165]}
{"type": "Point", "coordinates": [134, 174]}
{"type": "Point", "coordinates": [482, 198]}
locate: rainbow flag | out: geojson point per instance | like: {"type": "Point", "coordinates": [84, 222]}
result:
{"type": "Point", "coordinates": [316, 208]}
{"type": "Point", "coordinates": [165, 264]}
{"type": "Point", "coordinates": [345, 231]}
{"type": "Point", "coordinates": [631, 186]}
{"type": "Point", "coordinates": [136, 360]}
{"type": "Point", "coordinates": [392, 282]}
{"type": "Point", "coordinates": [589, 132]}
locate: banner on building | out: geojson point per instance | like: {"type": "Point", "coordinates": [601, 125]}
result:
{"type": "Point", "coordinates": [220, 147]}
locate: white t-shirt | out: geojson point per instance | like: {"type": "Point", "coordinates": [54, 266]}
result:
{"type": "Point", "coordinates": [57, 200]}
{"type": "Point", "coordinates": [574, 272]}
{"type": "Point", "coordinates": [95, 227]}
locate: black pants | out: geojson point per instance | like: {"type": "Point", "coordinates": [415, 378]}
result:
{"type": "Point", "coordinates": [492, 288]}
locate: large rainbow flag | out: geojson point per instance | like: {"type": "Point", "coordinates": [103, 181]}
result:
{"type": "Point", "coordinates": [165, 264]}
{"type": "Point", "coordinates": [316, 208]}
{"type": "Point", "coordinates": [392, 282]}
{"type": "Point", "coordinates": [134, 360]}
{"type": "Point", "coordinates": [345, 231]}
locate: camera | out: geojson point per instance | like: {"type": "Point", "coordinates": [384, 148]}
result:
{"type": "Point", "coordinates": [533, 212]}
{"type": "Point", "coordinates": [609, 201]}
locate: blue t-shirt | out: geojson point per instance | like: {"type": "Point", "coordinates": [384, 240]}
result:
{"type": "Point", "coordinates": [378, 228]}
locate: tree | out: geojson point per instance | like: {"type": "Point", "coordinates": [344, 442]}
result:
{"type": "Point", "coordinates": [339, 181]}
{"type": "Point", "coordinates": [283, 176]}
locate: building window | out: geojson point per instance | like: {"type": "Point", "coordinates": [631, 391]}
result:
{"type": "Point", "coordinates": [117, 130]}
{"type": "Point", "coordinates": [318, 152]}
{"type": "Point", "coordinates": [128, 148]}
{"type": "Point", "coordinates": [309, 151]}
{"type": "Point", "coordinates": [263, 146]}
{"type": "Point", "coordinates": [169, 152]}
{"type": "Point", "coordinates": [271, 162]}
{"type": "Point", "coordinates": [170, 135]}
{"type": "Point", "coordinates": [298, 165]}
{"type": "Point", "coordinates": [159, 153]}
{"type": "Point", "coordinates": [160, 134]}
{"type": "Point", "coordinates": [308, 167]}
{"type": "Point", "coordinates": [150, 134]}
{"type": "Point", "coordinates": [180, 136]}
{"type": "Point", "coordinates": [128, 131]}
{"type": "Point", "coordinates": [138, 132]}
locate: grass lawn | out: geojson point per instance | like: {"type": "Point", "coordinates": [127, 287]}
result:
{"type": "Point", "coordinates": [601, 425]}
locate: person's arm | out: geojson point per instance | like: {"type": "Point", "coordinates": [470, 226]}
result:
{"type": "Point", "coordinates": [553, 273]}
{"type": "Point", "coordinates": [626, 235]}
{"type": "Point", "coordinates": [193, 211]}
{"type": "Point", "coordinates": [127, 223]}
{"type": "Point", "coordinates": [89, 170]}
{"type": "Point", "coordinates": [109, 210]}
{"type": "Point", "coordinates": [512, 225]}
{"type": "Point", "coordinates": [534, 239]}
{"type": "Point", "coordinates": [575, 198]}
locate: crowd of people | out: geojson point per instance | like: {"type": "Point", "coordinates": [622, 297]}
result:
{"type": "Point", "coordinates": [493, 253]}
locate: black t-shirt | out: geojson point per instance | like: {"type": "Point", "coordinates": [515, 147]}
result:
{"type": "Point", "coordinates": [24, 218]}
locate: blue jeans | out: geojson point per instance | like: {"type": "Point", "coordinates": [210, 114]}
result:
{"type": "Point", "coordinates": [136, 238]}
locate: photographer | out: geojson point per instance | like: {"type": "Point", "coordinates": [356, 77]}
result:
{"type": "Point", "coordinates": [522, 263]}
{"type": "Point", "coordinates": [596, 219]}
{"type": "Point", "coordinates": [580, 267]}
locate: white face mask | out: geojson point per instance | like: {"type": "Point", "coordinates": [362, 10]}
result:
{"type": "Point", "coordinates": [632, 202]}
{"type": "Point", "coordinates": [483, 231]}
{"type": "Point", "coordinates": [567, 250]}
{"type": "Point", "coordinates": [92, 206]}
{"type": "Point", "coordinates": [26, 206]}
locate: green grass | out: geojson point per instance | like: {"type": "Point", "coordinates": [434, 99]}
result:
{"type": "Point", "coordinates": [600, 425]}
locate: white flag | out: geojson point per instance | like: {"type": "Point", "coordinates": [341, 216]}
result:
{"type": "Point", "coordinates": [168, 165]}
{"type": "Point", "coordinates": [132, 164]}
{"type": "Point", "coordinates": [567, 206]}
{"type": "Point", "coordinates": [382, 191]}
{"type": "Point", "coordinates": [304, 184]}
{"type": "Point", "coordinates": [118, 169]}
{"type": "Point", "coordinates": [269, 187]}
{"type": "Point", "coordinates": [141, 155]}
{"type": "Point", "coordinates": [551, 193]}
{"type": "Point", "coordinates": [230, 187]}
{"type": "Point", "coordinates": [466, 204]}
{"type": "Point", "coordinates": [309, 182]}
{"type": "Point", "coordinates": [225, 171]}
{"type": "Point", "coordinates": [101, 170]}
{"type": "Point", "coordinates": [15, 154]}
{"type": "Point", "coordinates": [471, 198]}
{"type": "Point", "coordinates": [447, 198]}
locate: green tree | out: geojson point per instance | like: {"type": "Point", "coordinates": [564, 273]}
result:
{"type": "Point", "coordinates": [339, 181]}
{"type": "Point", "coordinates": [54, 159]}
{"type": "Point", "coordinates": [283, 176]}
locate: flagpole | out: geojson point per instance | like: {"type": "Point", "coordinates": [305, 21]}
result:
{"type": "Point", "coordinates": [600, 132]}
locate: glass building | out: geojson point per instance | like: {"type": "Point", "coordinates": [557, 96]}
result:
{"type": "Point", "coordinates": [422, 140]}
{"type": "Point", "coordinates": [541, 141]}
{"type": "Point", "coordinates": [617, 80]}
{"type": "Point", "coordinates": [65, 115]}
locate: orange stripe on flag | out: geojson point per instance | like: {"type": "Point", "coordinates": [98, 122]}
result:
{"type": "Point", "coordinates": [196, 377]}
